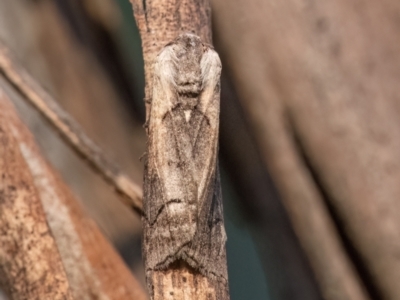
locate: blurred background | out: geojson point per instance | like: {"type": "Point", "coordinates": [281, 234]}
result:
{"type": "Point", "coordinates": [309, 133]}
{"type": "Point", "coordinates": [88, 55]}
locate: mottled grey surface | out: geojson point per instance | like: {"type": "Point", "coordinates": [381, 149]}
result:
{"type": "Point", "coordinates": [183, 203]}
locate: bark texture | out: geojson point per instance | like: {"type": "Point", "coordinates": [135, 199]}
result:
{"type": "Point", "coordinates": [30, 264]}
{"type": "Point", "coordinates": [94, 270]}
{"type": "Point", "coordinates": [160, 23]}
{"type": "Point", "coordinates": [319, 82]}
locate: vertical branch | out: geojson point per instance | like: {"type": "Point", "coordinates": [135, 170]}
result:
{"type": "Point", "coordinates": [179, 263]}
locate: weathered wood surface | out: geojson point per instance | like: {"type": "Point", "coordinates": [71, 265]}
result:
{"type": "Point", "coordinates": [93, 269]}
{"type": "Point", "coordinates": [30, 264]}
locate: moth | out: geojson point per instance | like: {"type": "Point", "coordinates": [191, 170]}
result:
{"type": "Point", "coordinates": [183, 217]}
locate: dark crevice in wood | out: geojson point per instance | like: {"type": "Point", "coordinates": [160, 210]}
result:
{"type": "Point", "coordinates": [262, 206]}
{"type": "Point", "coordinates": [351, 252]}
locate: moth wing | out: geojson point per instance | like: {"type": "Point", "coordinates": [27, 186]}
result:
{"type": "Point", "coordinates": [167, 190]}
{"type": "Point", "coordinates": [209, 106]}
{"type": "Point", "coordinates": [209, 257]}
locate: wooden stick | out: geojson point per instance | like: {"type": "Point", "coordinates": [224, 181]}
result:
{"type": "Point", "coordinates": [178, 272]}
{"type": "Point", "coordinates": [69, 129]}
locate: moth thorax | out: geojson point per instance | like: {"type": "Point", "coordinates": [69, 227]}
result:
{"type": "Point", "coordinates": [189, 87]}
{"type": "Point", "coordinates": [188, 77]}
{"type": "Point", "coordinates": [188, 81]}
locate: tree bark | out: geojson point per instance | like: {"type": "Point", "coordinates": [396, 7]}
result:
{"type": "Point", "coordinates": [93, 269]}
{"type": "Point", "coordinates": [160, 23]}
{"type": "Point", "coordinates": [30, 264]}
